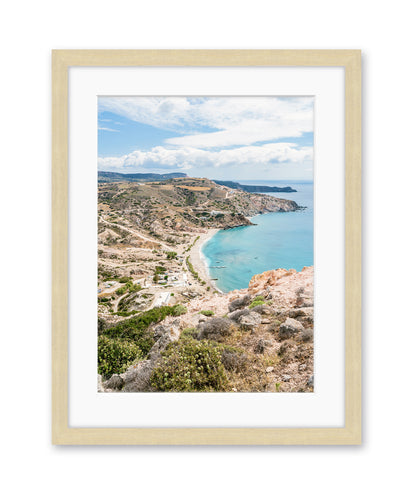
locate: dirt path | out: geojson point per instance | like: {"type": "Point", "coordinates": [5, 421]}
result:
{"type": "Point", "coordinates": [135, 233]}
{"type": "Point", "coordinates": [115, 307]}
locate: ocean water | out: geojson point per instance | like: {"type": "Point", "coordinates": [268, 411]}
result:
{"type": "Point", "coordinates": [279, 240]}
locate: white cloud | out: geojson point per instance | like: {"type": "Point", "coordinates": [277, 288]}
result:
{"type": "Point", "coordinates": [162, 112]}
{"type": "Point", "coordinates": [218, 121]}
{"type": "Point", "coordinates": [185, 158]}
{"type": "Point", "coordinates": [105, 129]}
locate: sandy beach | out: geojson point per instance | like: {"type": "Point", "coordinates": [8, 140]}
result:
{"type": "Point", "coordinates": [197, 259]}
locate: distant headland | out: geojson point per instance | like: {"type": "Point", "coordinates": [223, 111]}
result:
{"type": "Point", "coordinates": [253, 188]}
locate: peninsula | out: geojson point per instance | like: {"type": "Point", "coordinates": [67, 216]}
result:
{"type": "Point", "coordinates": [253, 188]}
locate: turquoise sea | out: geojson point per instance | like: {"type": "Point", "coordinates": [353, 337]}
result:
{"type": "Point", "coordinates": [279, 240]}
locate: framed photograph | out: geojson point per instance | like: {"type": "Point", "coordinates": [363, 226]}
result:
{"type": "Point", "coordinates": [206, 247]}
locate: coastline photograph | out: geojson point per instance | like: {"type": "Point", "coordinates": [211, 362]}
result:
{"type": "Point", "coordinates": [205, 244]}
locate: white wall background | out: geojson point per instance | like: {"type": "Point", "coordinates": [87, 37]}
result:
{"type": "Point", "coordinates": [382, 467]}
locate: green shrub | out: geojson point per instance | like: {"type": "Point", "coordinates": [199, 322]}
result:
{"type": "Point", "coordinates": [116, 355]}
{"type": "Point", "coordinates": [208, 313]}
{"type": "Point", "coordinates": [124, 279]}
{"type": "Point", "coordinates": [125, 313]}
{"type": "Point", "coordinates": [101, 325]}
{"type": "Point", "coordinates": [189, 365]}
{"type": "Point", "coordinates": [258, 300]}
{"type": "Point", "coordinates": [136, 328]}
{"type": "Point", "coordinates": [192, 269]}
{"type": "Point", "coordinates": [189, 332]}
{"type": "Point", "coordinates": [128, 287]}
{"type": "Point", "coordinates": [179, 309]}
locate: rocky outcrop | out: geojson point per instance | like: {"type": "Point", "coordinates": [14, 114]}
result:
{"type": "Point", "coordinates": [239, 303]}
{"type": "Point", "coordinates": [290, 328]}
{"type": "Point", "coordinates": [286, 288]}
{"type": "Point", "coordinates": [230, 221]}
{"type": "Point", "coordinates": [137, 376]}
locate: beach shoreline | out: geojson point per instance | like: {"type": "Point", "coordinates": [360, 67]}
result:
{"type": "Point", "coordinates": [197, 259]}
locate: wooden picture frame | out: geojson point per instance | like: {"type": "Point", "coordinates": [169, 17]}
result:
{"type": "Point", "coordinates": [62, 433]}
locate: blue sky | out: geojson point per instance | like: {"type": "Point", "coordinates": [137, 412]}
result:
{"type": "Point", "coordinates": [233, 138]}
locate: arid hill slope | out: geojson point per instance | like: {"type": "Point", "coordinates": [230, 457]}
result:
{"type": "Point", "coordinates": [258, 339]}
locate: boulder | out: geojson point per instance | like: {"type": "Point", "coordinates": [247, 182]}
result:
{"type": "Point", "coordinates": [307, 335]}
{"type": "Point", "coordinates": [289, 328]}
{"type": "Point", "coordinates": [306, 312]}
{"type": "Point", "coordinates": [239, 303]}
{"type": "Point", "coordinates": [171, 333]}
{"type": "Point", "coordinates": [261, 309]}
{"type": "Point", "coordinates": [250, 321]}
{"type": "Point", "coordinates": [159, 331]}
{"type": "Point", "coordinates": [137, 377]}
{"type": "Point", "coordinates": [234, 316]}
{"type": "Point", "coordinates": [116, 382]}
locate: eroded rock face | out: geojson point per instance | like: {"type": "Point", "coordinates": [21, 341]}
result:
{"type": "Point", "coordinates": [137, 377]}
{"type": "Point", "coordinates": [290, 328]}
{"type": "Point", "coordinates": [269, 278]}
{"type": "Point", "coordinates": [168, 334]}
{"type": "Point", "coordinates": [286, 288]}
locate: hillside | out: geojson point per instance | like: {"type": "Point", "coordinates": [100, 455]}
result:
{"type": "Point", "coordinates": [253, 340]}
{"type": "Point", "coordinates": [149, 237]}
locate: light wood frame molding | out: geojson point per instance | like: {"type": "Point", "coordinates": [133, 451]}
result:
{"type": "Point", "coordinates": [350, 434]}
